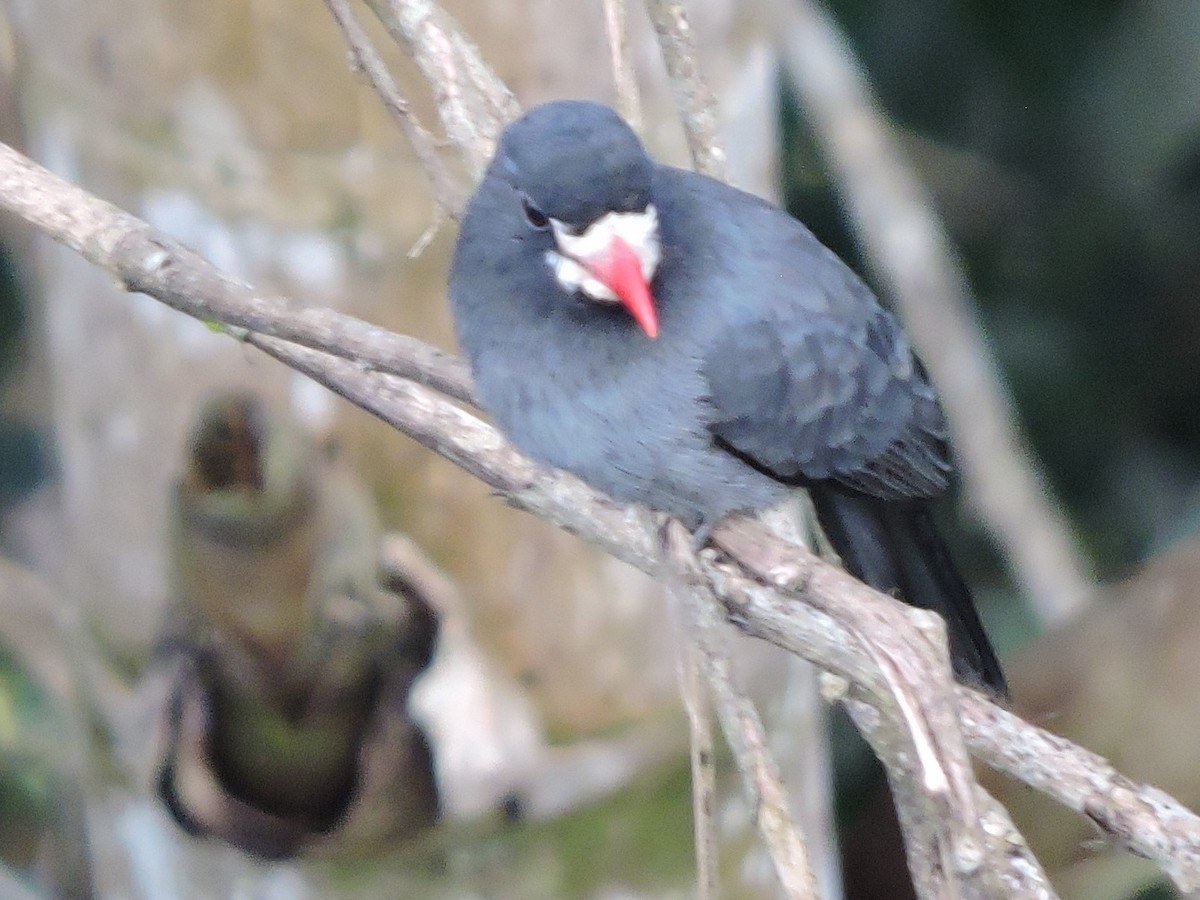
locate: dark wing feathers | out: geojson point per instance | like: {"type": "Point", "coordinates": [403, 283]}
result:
{"type": "Point", "coordinates": [831, 393]}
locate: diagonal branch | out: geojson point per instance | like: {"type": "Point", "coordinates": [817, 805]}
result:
{"type": "Point", "coordinates": [697, 107]}
{"type": "Point", "coordinates": [448, 195]}
{"type": "Point", "coordinates": [474, 103]}
{"type": "Point", "coordinates": [823, 615]}
{"type": "Point", "coordinates": [629, 101]}
{"type": "Point", "coordinates": [149, 262]}
{"type": "Point", "coordinates": [740, 722]}
{"type": "Point", "coordinates": [572, 505]}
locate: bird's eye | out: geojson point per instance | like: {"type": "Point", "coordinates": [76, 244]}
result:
{"type": "Point", "coordinates": [535, 216]}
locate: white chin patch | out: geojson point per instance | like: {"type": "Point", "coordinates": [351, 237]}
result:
{"type": "Point", "coordinates": [574, 277]}
{"type": "Point", "coordinates": [639, 230]}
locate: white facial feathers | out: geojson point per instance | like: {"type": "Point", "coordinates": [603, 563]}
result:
{"type": "Point", "coordinates": [638, 230]}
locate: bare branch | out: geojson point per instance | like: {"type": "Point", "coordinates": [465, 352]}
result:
{"type": "Point", "coordinates": [792, 621]}
{"type": "Point", "coordinates": [1021, 875]}
{"type": "Point", "coordinates": [448, 194]}
{"type": "Point", "coordinates": [1136, 816]}
{"type": "Point", "coordinates": [1003, 867]}
{"type": "Point", "coordinates": [701, 752]}
{"type": "Point", "coordinates": [150, 262]}
{"type": "Point", "coordinates": [474, 104]}
{"type": "Point", "coordinates": [629, 102]}
{"type": "Point", "coordinates": [926, 758]}
{"type": "Point", "coordinates": [1139, 817]}
{"type": "Point", "coordinates": [824, 616]}
{"type": "Point", "coordinates": [904, 240]}
{"type": "Point", "coordinates": [478, 448]}
{"type": "Point", "coordinates": [697, 106]}
{"type": "Point", "coordinates": [740, 723]}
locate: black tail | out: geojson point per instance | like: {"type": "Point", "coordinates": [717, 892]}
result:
{"type": "Point", "coordinates": [895, 547]}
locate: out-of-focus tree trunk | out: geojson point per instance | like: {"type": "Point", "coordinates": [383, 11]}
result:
{"type": "Point", "coordinates": [237, 127]}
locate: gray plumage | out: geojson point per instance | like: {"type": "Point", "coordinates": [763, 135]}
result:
{"type": "Point", "coordinates": [774, 365]}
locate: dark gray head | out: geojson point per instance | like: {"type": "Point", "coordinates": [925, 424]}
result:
{"type": "Point", "coordinates": [580, 181]}
{"type": "Point", "coordinates": [575, 161]}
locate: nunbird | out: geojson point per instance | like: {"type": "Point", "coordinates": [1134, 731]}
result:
{"type": "Point", "coordinates": [676, 342]}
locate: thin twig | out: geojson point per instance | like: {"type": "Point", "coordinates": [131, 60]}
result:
{"type": "Point", "coordinates": [448, 194]}
{"type": "Point", "coordinates": [811, 621]}
{"type": "Point", "coordinates": [915, 683]}
{"type": "Point", "coordinates": [1022, 875]}
{"type": "Point", "coordinates": [148, 261]}
{"type": "Point", "coordinates": [740, 723]}
{"type": "Point", "coordinates": [474, 104]}
{"type": "Point", "coordinates": [1136, 816]}
{"type": "Point", "coordinates": [629, 102]}
{"type": "Point", "coordinates": [702, 756]}
{"type": "Point", "coordinates": [907, 246]}
{"type": "Point", "coordinates": [697, 106]}
{"type": "Point", "coordinates": [1140, 817]}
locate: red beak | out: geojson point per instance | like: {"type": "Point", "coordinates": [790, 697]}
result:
{"type": "Point", "coordinates": [621, 271]}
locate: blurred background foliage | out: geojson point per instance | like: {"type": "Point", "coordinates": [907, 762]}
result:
{"type": "Point", "coordinates": [1061, 142]}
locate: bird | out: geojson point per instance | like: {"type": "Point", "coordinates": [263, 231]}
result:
{"type": "Point", "coordinates": [676, 342]}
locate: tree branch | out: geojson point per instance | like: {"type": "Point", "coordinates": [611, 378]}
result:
{"type": "Point", "coordinates": [1139, 817]}
{"type": "Point", "coordinates": [740, 722]}
{"type": "Point", "coordinates": [702, 759]}
{"type": "Point", "coordinates": [830, 642]}
{"type": "Point", "coordinates": [905, 710]}
{"type": "Point", "coordinates": [824, 615]}
{"type": "Point", "coordinates": [474, 103]}
{"type": "Point", "coordinates": [805, 606]}
{"type": "Point", "coordinates": [697, 107]}
{"type": "Point", "coordinates": [629, 102]}
{"type": "Point", "coordinates": [450, 196]}
{"type": "Point", "coordinates": [149, 262]}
